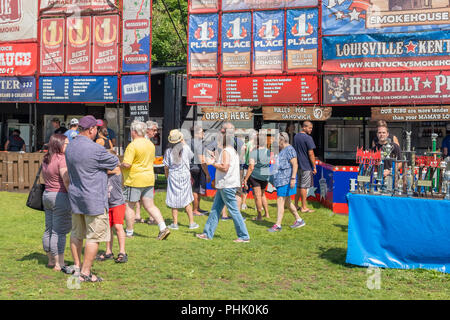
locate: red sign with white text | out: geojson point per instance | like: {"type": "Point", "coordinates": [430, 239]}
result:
{"type": "Point", "coordinates": [52, 45]}
{"type": "Point", "coordinates": [203, 90]}
{"type": "Point", "coordinates": [105, 41]}
{"type": "Point", "coordinates": [18, 59]}
{"type": "Point", "coordinates": [387, 88]}
{"type": "Point", "coordinates": [269, 90]}
{"type": "Point", "coordinates": [78, 50]}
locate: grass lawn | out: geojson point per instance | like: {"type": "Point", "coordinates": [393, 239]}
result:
{"type": "Point", "coordinates": [306, 263]}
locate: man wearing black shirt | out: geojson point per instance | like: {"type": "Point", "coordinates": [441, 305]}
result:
{"type": "Point", "coordinates": [382, 135]}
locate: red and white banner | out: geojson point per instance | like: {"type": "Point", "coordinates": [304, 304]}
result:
{"type": "Point", "coordinates": [387, 88]}
{"type": "Point", "coordinates": [105, 42]}
{"type": "Point", "coordinates": [18, 59]}
{"type": "Point", "coordinates": [78, 45]}
{"type": "Point", "coordinates": [203, 90]}
{"type": "Point", "coordinates": [18, 20]}
{"type": "Point", "coordinates": [74, 6]}
{"type": "Point", "coordinates": [52, 45]}
{"type": "Point", "coordinates": [269, 90]}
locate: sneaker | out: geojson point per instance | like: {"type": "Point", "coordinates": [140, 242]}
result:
{"type": "Point", "coordinates": [129, 234]}
{"type": "Point", "coordinates": [73, 270]}
{"type": "Point", "coordinates": [163, 234]}
{"type": "Point", "coordinates": [242, 240]}
{"type": "Point", "coordinates": [244, 206]}
{"type": "Point", "coordinates": [203, 211]}
{"type": "Point", "coordinates": [225, 218]}
{"type": "Point", "coordinates": [193, 226]}
{"type": "Point", "coordinates": [275, 228]}
{"type": "Point", "coordinates": [298, 224]}
{"type": "Point", "coordinates": [173, 226]}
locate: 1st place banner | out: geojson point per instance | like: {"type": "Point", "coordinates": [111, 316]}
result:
{"type": "Point", "coordinates": [203, 43]}
{"type": "Point", "coordinates": [387, 52]}
{"type": "Point", "coordinates": [301, 37]}
{"type": "Point", "coordinates": [268, 38]}
{"type": "Point", "coordinates": [387, 88]}
{"type": "Point", "coordinates": [236, 42]}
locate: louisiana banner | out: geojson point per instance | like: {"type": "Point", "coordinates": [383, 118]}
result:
{"type": "Point", "coordinates": [268, 37]}
{"type": "Point", "coordinates": [136, 53]}
{"type": "Point", "coordinates": [236, 42]}
{"type": "Point", "coordinates": [301, 37]}
{"type": "Point", "coordinates": [52, 45]}
{"type": "Point", "coordinates": [341, 17]}
{"type": "Point", "coordinates": [78, 45]}
{"type": "Point", "coordinates": [203, 43]}
{"type": "Point", "coordinates": [105, 44]}
{"type": "Point", "coordinates": [387, 52]}
{"type": "Point", "coordinates": [387, 88]}
{"type": "Point", "coordinates": [18, 20]}
{"type": "Point", "coordinates": [18, 59]}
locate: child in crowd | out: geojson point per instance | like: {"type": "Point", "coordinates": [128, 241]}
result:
{"type": "Point", "coordinates": [116, 216]}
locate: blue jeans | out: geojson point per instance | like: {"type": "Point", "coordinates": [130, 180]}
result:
{"type": "Point", "coordinates": [226, 197]}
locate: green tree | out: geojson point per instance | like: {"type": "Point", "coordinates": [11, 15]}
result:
{"type": "Point", "coordinates": [167, 48]}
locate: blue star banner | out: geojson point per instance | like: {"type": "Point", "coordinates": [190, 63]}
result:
{"type": "Point", "coordinates": [387, 52]}
{"type": "Point", "coordinates": [341, 17]}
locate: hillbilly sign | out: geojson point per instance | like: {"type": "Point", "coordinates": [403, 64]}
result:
{"type": "Point", "coordinates": [296, 113]}
{"type": "Point", "coordinates": [227, 114]}
{"type": "Point", "coordinates": [430, 113]}
{"type": "Point", "coordinates": [393, 88]}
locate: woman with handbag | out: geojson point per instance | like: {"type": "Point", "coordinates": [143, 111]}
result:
{"type": "Point", "coordinates": [58, 218]}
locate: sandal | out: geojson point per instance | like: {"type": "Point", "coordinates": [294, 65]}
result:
{"type": "Point", "coordinates": [104, 256]}
{"type": "Point", "coordinates": [121, 258]}
{"type": "Point", "coordinates": [150, 222]}
{"type": "Point", "coordinates": [140, 220]}
{"type": "Point", "coordinates": [89, 278]}
{"type": "Point", "coordinates": [202, 236]}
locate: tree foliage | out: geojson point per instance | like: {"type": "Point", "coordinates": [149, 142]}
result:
{"type": "Point", "coordinates": [167, 48]}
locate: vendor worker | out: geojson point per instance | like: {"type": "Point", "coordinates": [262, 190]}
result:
{"type": "Point", "coordinates": [382, 123]}
{"type": "Point", "coordinates": [446, 143]}
{"type": "Point", "coordinates": [15, 142]}
{"type": "Point", "coordinates": [383, 135]}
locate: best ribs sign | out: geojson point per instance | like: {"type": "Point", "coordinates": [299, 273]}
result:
{"type": "Point", "coordinates": [387, 88]}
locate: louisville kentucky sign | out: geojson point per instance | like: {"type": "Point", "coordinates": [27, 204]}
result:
{"type": "Point", "coordinates": [387, 52]}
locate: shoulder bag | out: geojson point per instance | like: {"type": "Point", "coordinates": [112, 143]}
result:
{"type": "Point", "coordinates": [34, 200]}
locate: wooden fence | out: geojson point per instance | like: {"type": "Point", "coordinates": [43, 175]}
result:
{"type": "Point", "coordinates": [18, 170]}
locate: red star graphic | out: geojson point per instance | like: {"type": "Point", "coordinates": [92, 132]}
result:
{"type": "Point", "coordinates": [135, 47]}
{"type": "Point", "coordinates": [411, 47]}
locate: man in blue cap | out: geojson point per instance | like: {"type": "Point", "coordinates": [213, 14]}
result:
{"type": "Point", "coordinates": [88, 164]}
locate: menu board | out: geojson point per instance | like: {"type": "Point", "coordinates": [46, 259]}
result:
{"type": "Point", "coordinates": [78, 89]}
{"type": "Point", "coordinates": [270, 89]}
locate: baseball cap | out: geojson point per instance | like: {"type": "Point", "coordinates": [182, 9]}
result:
{"type": "Point", "coordinates": [74, 121]}
{"type": "Point", "coordinates": [88, 122]}
{"type": "Point", "coordinates": [99, 123]}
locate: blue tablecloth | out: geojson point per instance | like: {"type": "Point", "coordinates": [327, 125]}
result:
{"type": "Point", "coordinates": [403, 233]}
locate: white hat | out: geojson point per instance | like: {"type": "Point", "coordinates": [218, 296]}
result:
{"type": "Point", "coordinates": [175, 136]}
{"type": "Point", "coordinates": [74, 121]}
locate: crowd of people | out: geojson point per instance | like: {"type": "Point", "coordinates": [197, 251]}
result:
{"type": "Point", "coordinates": [90, 193]}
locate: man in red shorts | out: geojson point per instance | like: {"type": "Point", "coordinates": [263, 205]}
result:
{"type": "Point", "coordinates": [116, 217]}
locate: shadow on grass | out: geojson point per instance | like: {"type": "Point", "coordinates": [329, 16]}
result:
{"type": "Point", "coordinates": [40, 257]}
{"type": "Point", "coordinates": [334, 255]}
{"type": "Point", "coordinates": [344, 228]}
{"type": "Point", "coordinates": [140, 235]}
